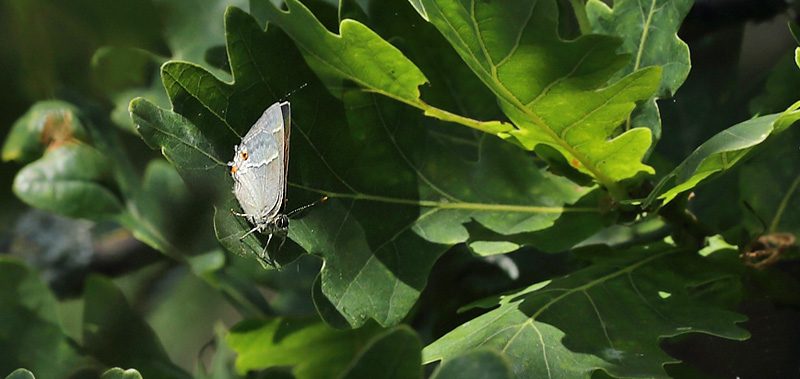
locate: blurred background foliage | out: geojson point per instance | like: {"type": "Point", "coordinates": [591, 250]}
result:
{"type": "Point", "coordinates": [742, 65]}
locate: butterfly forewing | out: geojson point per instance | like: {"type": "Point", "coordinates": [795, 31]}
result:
{"type": "Point", "coordinates": [261, 162]}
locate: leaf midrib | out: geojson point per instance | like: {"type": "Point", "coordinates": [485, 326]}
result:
{"type": "Point", "coordinates": [186, 143]}
{"type": "Point", "coordinates": [450, 205]}
{"type": "Point", "coordinates": [509, 97]}
{"type": "Point", "coordinates": [195, 96]}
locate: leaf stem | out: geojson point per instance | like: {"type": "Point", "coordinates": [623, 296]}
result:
{"type": "Point", "coordinates": [451, 205]}
{"type": "Point", "coordinates": [580, 13]}
{"type": "Point", "coordinates": [492, 127]}
{"type": "Point", "coordinates": [784, 203]}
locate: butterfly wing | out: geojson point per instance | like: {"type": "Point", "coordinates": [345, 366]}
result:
{"type": "Point", "coordinates": [260, 159]}
{"type": "Point", "coordinates": [286, 111]}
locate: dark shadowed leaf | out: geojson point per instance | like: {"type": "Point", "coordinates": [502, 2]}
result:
{"type": "Point", "coordinates": [769, 183]}
{"type": "Point", "coordinates": [393, 354]}
{"type": "Point", "coordinates": [608, 316]}
{"type": "Point", "coordinates": [780, 89]}
{"type": "Point", "coordinates": [475, 364]}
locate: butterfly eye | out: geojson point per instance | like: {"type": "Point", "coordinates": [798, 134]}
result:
{"type": "Point", "coordinates": [244, 155]}
{"type": "Point", "coordinates": [234, 169]}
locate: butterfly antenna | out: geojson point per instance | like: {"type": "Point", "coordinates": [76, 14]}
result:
{"type": "Point", "coordinates": [307, 206]}
{"type": "Point", "coordinates": [292, 92]}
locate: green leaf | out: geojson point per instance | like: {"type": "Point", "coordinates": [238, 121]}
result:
{"type": "Point", "coordinates": [118, 373]}
{"type": "Point", "coordinates": [355, 54]}
{"type": "Point", "coordinates": [576, 223]}
{"type": "Point", "coordinates": [79, 169]}
{"type": "Point", "coordinates": [47, 124]}
{"type": "Point", "coordinates": [325, 309]}
{"type": "Point", "coordinates": [371, 158]}
{"type": "Point", "coordinates": [797, 56]}
{"type": "Point", "coordinates": [393, 354]}
{"type": "Point", "coordinates": [795, 30]}
{"type": "Point", "coordinates": [310, 347]}
{"type": "Point", "coordinates": [550, 88]}
{"type": "Point", "coordinates": [475, 364]}
{"type": "Point", "coordinates": [721, 152]}
{"type": "Point", "coordinates": [188, 150]}
{"type": "Point", "coordinates": [117, 336]}
{"type": "Point", "coordinates": [30, 334]}
{"type": "Point", "coordinates": [19, 284]}
{"type": "Point", "coordinates": [608, 316]}
{"type": "Point", "coordinates": [649, 32]}
{"type": "Point", "coordinates": [20, 373]}
{"type": "Point", "coordinates": [359, 55]}
{"type": "Point", "coordinates": [450, 78]}
{"type": "Point", "coordinates": [70, 180]}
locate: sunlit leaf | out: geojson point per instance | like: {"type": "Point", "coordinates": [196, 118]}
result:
{"type": "Point", "coordinates": [649, 31]}
{"type": "Point", "coordinates": [359, 55]}
{"type": "Point", "coordinates": [553, 90]}
{"type": "Point", "coordinates": [310, 347]}
{"type": "Point", "coordinates": [721, 152]}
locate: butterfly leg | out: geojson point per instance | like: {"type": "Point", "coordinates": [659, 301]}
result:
{"type": "Point", "coordinates": [265, 254]}
{"type": "Point", "coordinates": [248, 233]}
{"type": "Point", "coordinates": [239, 214]}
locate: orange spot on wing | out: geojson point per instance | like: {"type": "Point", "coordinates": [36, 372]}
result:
{"type": "Point", "coordinates": [575, 163]}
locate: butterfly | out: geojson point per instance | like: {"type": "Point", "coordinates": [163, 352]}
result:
{"type": "Point", "coordinates": [259, 169]}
